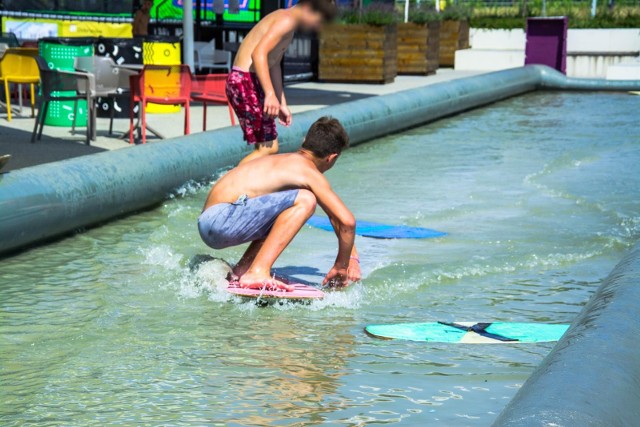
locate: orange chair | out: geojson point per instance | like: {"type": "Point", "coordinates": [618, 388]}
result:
{"type": "Point", "coordinates": [211, 89]}
{"type": "Point", "coordinates": [18, 65]}
{"type": "Point", "coordinates": [160, 84]}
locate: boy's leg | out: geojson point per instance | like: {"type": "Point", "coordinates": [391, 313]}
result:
{"type": "Point", "coordinates": [286, 226]}
{"type": "Point", "coordinates": [247, 259]}
{"type": "Point", "coordinates": [262, 149]}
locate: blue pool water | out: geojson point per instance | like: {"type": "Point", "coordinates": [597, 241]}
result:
{"type": "Point", "coordinates": [539, 195]}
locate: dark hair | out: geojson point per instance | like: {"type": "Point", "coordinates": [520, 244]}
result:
{"type": "Point", "coordinates": [325, 137]}
{"type": "Point", "coordinates": [326, 7]}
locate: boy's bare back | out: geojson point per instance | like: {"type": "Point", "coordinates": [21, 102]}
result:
{"type": "Point", "coordinates": [266, 175]}
{"type": "Point", "coordinates": [280, 25]}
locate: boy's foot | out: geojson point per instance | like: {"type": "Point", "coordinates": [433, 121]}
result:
{"type": "Point", "coordinates": [238, 271]}
{"type": "Point", "coordinates": [249, 281]}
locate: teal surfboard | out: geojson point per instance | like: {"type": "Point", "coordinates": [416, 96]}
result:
{"type": "Point", "coordinates": [470, 332]}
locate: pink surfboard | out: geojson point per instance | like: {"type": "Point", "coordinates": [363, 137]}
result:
{"type": "Point", "coordinates": [300, 292]}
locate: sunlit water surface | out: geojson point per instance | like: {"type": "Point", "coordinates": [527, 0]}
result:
{"type": "Point", "coordinates": [539, 193]}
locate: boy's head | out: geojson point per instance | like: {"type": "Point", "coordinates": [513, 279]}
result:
{"type": "Point", "coordinates": [147, 5]}
{"type": "Point", "coordinates": [326, 139]}
{"type": "Point", "coordinates": [315, 13]}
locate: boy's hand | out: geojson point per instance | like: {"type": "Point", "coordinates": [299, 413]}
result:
{"type": "Point", "coordinates": [284, 116]}
{"type": "Point", "coordinates": [337, 277]}
{"type": "Point", "coordinates": [271, 106]}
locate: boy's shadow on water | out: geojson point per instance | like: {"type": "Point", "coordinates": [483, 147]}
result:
{"type": "Point", "coordinates": [291, 273]}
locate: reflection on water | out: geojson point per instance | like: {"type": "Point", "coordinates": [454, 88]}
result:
{"type": "Point", "coordinates": [123, 325]}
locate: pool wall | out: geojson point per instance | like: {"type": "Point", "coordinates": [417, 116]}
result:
{"type": "Point", "coordinates": [592, 376]}
{"type": "Point", "coordinates": [51, 200]}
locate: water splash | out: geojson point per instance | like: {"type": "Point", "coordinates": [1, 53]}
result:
{"type": "Point", "coordinates": [162, 256]}
{"type": "Point", "coordinates": [205, 276]}
{"type": "Point", "coordinates": [192, 187]}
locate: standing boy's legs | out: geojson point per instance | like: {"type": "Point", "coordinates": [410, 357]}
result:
{"type": "Point", "coordinates": [284, 229]}
{"type": "Point", "coordinates": [262, 149]}
{"type": "Point", "coordinates": [247, 99]}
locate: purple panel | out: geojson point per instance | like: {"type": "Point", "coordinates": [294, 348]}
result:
{"type": "Point", "coordinates": [547, 42]}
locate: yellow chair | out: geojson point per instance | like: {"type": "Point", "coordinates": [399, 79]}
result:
{"type": "Point", "coordinates": [18, 65]}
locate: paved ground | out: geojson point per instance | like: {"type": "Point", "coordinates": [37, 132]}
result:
{"type": "Point", "coordinates": [59, 143]}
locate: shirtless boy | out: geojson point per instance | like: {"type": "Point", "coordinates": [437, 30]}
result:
{"type": "Point", "coordinates": [254, 86]}
{"type": "Point", "coordinates": [268, 201]}
{"type": "Point", "coordinates": [141, 19]}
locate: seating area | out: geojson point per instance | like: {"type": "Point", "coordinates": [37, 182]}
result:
{"type": "Point", "coordinates": [75, 94]}
{"type": "Point", "coordinates": [207, 57]}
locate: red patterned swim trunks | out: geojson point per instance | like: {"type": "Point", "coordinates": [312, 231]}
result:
{"type": "Point", "coordinates": [247, 99]}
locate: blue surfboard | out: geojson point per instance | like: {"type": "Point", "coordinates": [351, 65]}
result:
{"type": "Point", "coordinates": [470, 332]}
{"type": "Point", "coordinates": [379, 231]}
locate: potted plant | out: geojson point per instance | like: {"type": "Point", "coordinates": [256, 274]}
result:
{"type": "Point", "coordinates": [361, 47]}
{"type": "Point", "coordinates": [454, 33]}
{"type": "Point", "coordinates": [419, 42]}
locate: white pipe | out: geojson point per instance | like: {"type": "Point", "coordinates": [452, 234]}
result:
{"type": "Point", "coordinates": [406, 11]}
{"type": "Point", "coordinates": [438, 6]}
{"type": "Point", "coordinates": [187, 32]}
{"type": "Point", "coordinates": [594, 5]}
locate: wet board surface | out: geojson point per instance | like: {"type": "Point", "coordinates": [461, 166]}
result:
{"type": "Point", "coordinates": [301, 292]}
{"type": "Point", "coordinates": [470, 332]}
{"type": "Point", "coordinates": [380, 231]}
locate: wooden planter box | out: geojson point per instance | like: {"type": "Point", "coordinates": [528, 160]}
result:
{"type": "Point", "coordinates": [418, 48]}
{"type": "Point", "coordinates": [358, 53]}
{"type": "Point", "coordinates": [454, 35]}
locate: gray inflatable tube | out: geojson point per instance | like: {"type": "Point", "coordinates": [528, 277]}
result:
{"type": "Point", "coordinates": [51, 200]}
{"type": "Point", "coordinates": [592, 376]}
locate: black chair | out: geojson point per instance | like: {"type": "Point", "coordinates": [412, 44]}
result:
{"type": "Point", "coordinates": [9, 39]}
{"type": "Point", "coordinates": [59, 85]}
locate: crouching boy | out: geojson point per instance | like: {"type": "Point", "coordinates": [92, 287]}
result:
{"type": "Point", "coordinates": [266, 202]}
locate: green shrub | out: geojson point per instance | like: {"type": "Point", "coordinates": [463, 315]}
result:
{"type": "Point", "coordinates": [422, 14]}
{"type": "Point", "coordinates": [456, 13]}
{"type": "Point", "coordinates": [378, 14]}
{"type": "Point", "coordinates": [579, 15]}
{"type": "Point", "coordinates": [498, 22]}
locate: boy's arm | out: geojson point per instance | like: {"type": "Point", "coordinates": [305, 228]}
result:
{"type": "Point", "coordinates": [284, 115]}
{"type": "Point", "coordinates": [136, 23]}
{"type": "Point", "coordinates": [260, 57]}
{"type": "Point", "coordinates": [354, 272]}
{"type": "Point", "coordinates": [345, 227]}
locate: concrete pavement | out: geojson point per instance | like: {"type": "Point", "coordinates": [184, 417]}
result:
{"type": "Point", "coordinates": [59, 143]}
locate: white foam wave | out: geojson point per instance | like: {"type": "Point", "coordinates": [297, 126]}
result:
{"type": "Point", "coordinates": [163, 256]}
{"type": "Point", "coordinates": [188, 189]}
{"type": "Point", "coordinates": [408, 282]}
{"type": "Point", "coordinates": [192, 187]}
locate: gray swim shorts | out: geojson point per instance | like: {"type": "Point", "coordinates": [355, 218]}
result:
{"type": "Point", "coordinates": [245, 220]}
